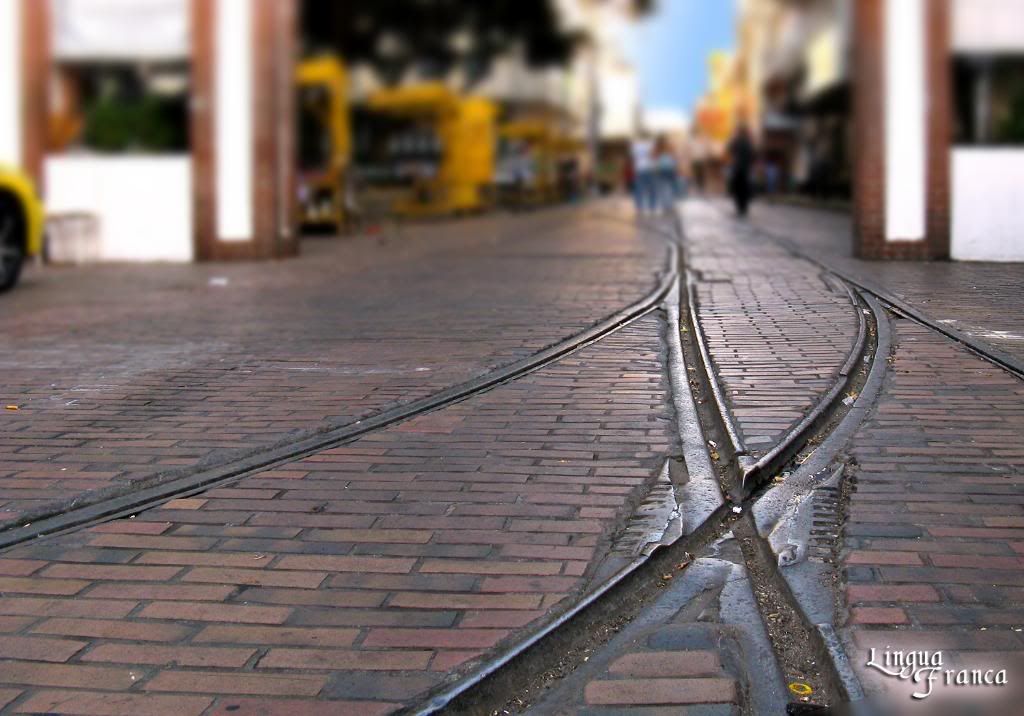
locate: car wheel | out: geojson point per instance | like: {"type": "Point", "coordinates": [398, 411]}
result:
{"type": "Point", "coordinates": [12, 240]}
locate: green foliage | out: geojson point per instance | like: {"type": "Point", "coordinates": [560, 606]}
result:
{"type": "Point", "coordinates": [117, 124]}
{"type": "Point", "coordinates": [436, 35]}
{"type": "Point", "coordinates": [1010, 128]}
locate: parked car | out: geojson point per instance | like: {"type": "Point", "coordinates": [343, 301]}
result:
{"type": "Point", "coordinates": [21, 224]}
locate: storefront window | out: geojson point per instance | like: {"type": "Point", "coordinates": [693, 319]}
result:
{"type": "Point", "coordinates": [989, 95]}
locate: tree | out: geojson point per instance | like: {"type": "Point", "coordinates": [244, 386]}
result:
{"type": "Point", "coordinates": [436, 36]}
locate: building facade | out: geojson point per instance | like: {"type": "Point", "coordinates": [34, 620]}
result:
{"type": "Point", "coordinates": [215, 79]}
{"type": "Point", "coordinates": [939, 101]}
{"type": "Point", "coordinates": [914, 109]}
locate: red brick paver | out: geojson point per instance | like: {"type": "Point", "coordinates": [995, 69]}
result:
{"type": "Point", "coordinates": [936, 524]}
{"type": "Point", "coordinates": [120, 372]}
{"type": "Point", "coordinates": [355, 577]}
{"type": "Point", "coordinates": [777, 333]}
{"type": "Point", "coordinates": [981, 299]}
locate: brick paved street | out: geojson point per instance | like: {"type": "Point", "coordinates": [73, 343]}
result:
{"type": "Point", "coordinates": [363, 577]}
{"type": "Point", "coordinates": [930, 549]}
{"type": "Point", "coordinates": [121, 372]}
{"type": "Point", "coordinates": [980, 299]}
{"type": "Point", "coordinates": [700, 648]}
{"type": "Point", "coordinates": [357, 578]}
{"type": "Point", "coordinates": [935, 536]}
{"type": "Point", "coordinates": [777, 332]}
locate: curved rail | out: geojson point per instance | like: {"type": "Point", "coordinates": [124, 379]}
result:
{"type": "Point", "coordinates": [108, 505]}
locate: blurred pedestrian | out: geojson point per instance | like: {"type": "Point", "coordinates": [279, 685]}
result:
{"type": "Point", "coordinates": [698, 159]}
{"type": "Point", "coordinates": [666, 175]}
{"type": "Point", "coordinates": [644, 176]}
{"type": "Point", "coordinates": [771, 176]}
{"type": "Point", "coordinates": [741, 155]}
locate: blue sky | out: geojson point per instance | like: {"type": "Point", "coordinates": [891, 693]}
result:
{"type": "Point", "coordinates": [670, 49]}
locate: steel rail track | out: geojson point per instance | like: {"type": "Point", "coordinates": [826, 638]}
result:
{"type": "Point", "coordinates": [101, 506]}
{"type": "Point", "coordinates": [494, 678]}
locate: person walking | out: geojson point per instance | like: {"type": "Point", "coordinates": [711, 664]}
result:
{"type": "Point", "coordinates": [667, 176]}
{"type": "Point", "coordinates": [741, 155]}
{"type": "Point", "coordinates": [644, 180]}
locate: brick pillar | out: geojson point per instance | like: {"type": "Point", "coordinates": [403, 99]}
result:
{"type": "Point", "coordinates": [35, 75]}
{"type": "Point", "coordinates": [869, 81]}
{"type": "Point", "coordinates": [940, 126]}
{"type": "Point", "coordinates": [868, 128]}
{"type": "Point", "coordinates": [204, 199]}
{"type": "Point", "coordinates": [274, 35]}
{"type": "Point", "coordinates": [259, 222]}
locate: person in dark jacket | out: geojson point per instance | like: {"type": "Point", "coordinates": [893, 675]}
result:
{"type": "Point", "coordinates": [741, 155]}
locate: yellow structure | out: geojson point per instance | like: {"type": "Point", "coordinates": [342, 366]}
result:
{"type": "Point", "coordinates": [324, 142]}
{"type": "Point", "coordinates": [720, 110]}
{"type": "Point", "coordinates": [21, 224]}
{"type": "Point", "coordinates": [528, 161]}
{"type": "Point", "coordinates": [533, 153]}
{"type": "Point", "coordinates": [462, 177]}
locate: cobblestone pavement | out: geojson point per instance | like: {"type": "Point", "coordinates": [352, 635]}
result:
{"type": "Point", "coordinates": [777, 332]}
{"type": "Point", "coordinates": [355, 579]}
{"type": "Point", "coordinates": [934, 540]}
{"type": "Point", "coordinates": [120, 372]}
{"type": "Point", "coordinates": [983, 300]}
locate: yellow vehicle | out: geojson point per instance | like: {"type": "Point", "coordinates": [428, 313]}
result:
{"type": "Point", "coordinates": [21, 224]}
{"type": "Point", "coordinates": [442, 149]}
{"type": "Point", "coordinates": [324, 142]}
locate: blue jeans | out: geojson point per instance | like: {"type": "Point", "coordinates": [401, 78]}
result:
{"type": "Point", "coordinates": [669, 189]}
{"type": "Point", "coordinates": [645, 191]}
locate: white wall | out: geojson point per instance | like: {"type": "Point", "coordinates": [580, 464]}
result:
{"type": "Point", "coordinates": [988, 25]}
{"type": "Point", "coordinates": [144, 204]}
{"type": "Point", "coordinates": [10, 82]}
{"type": "Point", "coordinates": [905, 137]}
{"type": "Point", "coordinates": [988, 204]}
{"type": "Point", "coordinates": [119, 29]}
{"type": "Point", "coordinates": [233, 131]}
